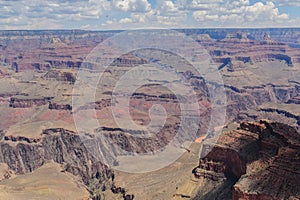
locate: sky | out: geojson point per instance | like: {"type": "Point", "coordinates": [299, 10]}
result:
{"type": "Point", "coordinates": [139, 14]}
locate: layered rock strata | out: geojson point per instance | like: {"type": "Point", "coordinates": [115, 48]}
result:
{"type": "Point", "coordinates": [263, 157]}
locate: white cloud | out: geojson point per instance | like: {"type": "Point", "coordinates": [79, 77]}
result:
{"type": "Point", "coordinates": [125, 20]}
{"type": "Point", "coordinates": [27, 23]}
{"type": "Point", "coordinates": [98, 14]}
{"type": "Point", "coordinates": [198, 4]}
{"type": "Point", "coordinates": [200, 15]}
{"type": "Point", "coordinates": [165, 14]}
{"type": "Point", "coordinates": [166, 6]}
{"type": "Point", "coordinates": [288, 2]}
{"type": "Point", "coordinates": [204, 15]}
{"type": "Point", "coordinates": [33, 13]}
{"type": "Point", "coordinates": [264, 12]}
{"type": "Point", "coordinates": [132, 5]}
{"type": "Point", "coordinates": [241, 13]}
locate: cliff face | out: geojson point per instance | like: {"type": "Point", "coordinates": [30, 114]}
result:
{"type": "Point", "coordinates": [238, 51]}
{"type": "Point", "coordinates": [262, 157]}
{"type": "Point", "coordinates": [279, 180]}
{"type": "Point", "coordinates": [27, 103]}
{"type": "Point", "coordinates": [42, 50]}
{"type": "Point", "coordinates": [68, 49]}
{"type": "Point", "coordinates": [286, 35]}
{"type": "Point", "coordinates": [246, 98]}
{"type": "Point", "coordinates": [61, 146]}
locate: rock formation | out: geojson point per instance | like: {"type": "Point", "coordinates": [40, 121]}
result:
{"type": "Point", "coordinates": [236, 37]}
{"type": "Point", "coordinates": [261, 80]}
{"type": "Point", "coordinates": [24, 102]}
{"type": "Point", "coordinates": [263, 157]}
{"type": "Point", "coordinates": [68, 49]}
{"type": "Point", "coordinates": [24, 155]}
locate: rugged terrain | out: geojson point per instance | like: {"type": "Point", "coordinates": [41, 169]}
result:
{"type": "Point", "coordinates": [260, 71]}
{"type": "Point", "coordinates": [262, 157]}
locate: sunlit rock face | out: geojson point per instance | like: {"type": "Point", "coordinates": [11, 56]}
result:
{"type": "Point", "coordinates": [262, 157]}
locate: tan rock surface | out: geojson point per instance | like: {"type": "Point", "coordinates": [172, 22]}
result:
{"type": "Point", "coordinates": [47, 182]}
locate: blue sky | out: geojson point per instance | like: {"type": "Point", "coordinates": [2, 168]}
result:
{"type": "Point", "coordinates": [135, 14]}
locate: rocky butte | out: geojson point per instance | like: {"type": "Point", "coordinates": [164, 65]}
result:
{"type": "Point", "coordinates": [261, 158]}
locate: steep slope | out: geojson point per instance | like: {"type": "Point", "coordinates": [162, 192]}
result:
{"type": "Point", "coordinates": [24, 155]}
{"type": "Point", "coordinates": [262, 157]}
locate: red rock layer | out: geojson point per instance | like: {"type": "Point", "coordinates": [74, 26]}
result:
{"type": "Point", "coordinates": [263, 156]}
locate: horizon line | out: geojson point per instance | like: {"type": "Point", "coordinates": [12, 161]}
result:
{"type": "Point", "coordinates": [152, 28]}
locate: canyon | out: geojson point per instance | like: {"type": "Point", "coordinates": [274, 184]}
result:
{"type": "Point", "coordinates": [42, 129]}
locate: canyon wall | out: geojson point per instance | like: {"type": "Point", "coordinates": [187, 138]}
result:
{"type": "Point", "coordinates": [262, 157]}
{"type": "Point", "coordinates": [24, 155]}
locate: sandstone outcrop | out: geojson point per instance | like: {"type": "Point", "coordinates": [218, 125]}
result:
{"type": "Point", "coordinates": [263, 157]}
